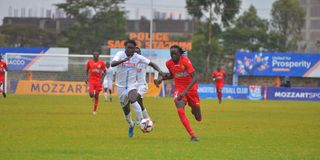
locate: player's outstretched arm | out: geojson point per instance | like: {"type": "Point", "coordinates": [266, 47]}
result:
{"type": "Point", "coordinates": [102, 76]}
{"type": "Point", "coordinates": [116, 63]}
{"type": "Point", "coordinates": [156, 67]}
{"type": "Point", "coordinates": [162, 77]}
{"type": "Point", "coordinates": [167, 76]}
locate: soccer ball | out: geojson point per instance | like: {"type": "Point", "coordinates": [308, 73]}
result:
{"type": "Point", "coordinates": [146, 125]}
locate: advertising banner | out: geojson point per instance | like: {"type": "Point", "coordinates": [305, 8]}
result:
{"type": "Point", "coordinates": [62, 88]}
{"type": "Point", "coordinates": [277, 64]}
{"type": "Point", "coordinates": [303, 94]}
{"type": "Point", "coordinates": [232, 92]}
{"type": "Point", "coordinates": [40, 61]}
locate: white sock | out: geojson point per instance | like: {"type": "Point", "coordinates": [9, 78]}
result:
{"type": "Point", "coordinates": [105, 96]}
{"type": "Point", "coordinates": [138, 111]}
{"type": "Point", "coordinates": [129, 120]}
{"type": "Point", "coordinates": [145, 113]}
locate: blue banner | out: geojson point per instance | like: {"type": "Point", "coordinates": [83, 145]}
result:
{"type": "Point", "coordinates": [277, 64]}
{"type": "Point", "coordinates": [305, 94]}
{"type": "Point", "coordinates": [18, 59]}
{"type": "Point", "coordinates": [232, 92]}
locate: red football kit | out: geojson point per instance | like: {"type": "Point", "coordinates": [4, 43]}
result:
{"type": "Point", "coordinates": [182, 78]}
{"type": "Point", "coordinates": [219, 76]}
{"type": "Point", "coordinates": [95, 74]}
{"type": "Point", "coordinates": [3, 67]}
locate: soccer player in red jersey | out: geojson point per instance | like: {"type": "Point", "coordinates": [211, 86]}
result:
{"type": "Point", "coordinates": [3, 68]}
{"type": "Point", "coordinates": [96, 71]}
{"type": "Point", "coordinates": [186, 87]}
{"type": "Point", "coordinates": [218, 77]}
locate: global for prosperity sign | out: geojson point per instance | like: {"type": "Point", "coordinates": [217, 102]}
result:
{"type": "Point", "coordinates": [277, 64]}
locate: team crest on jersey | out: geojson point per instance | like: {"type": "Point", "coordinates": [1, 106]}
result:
{"type": "Point", "coordinates": [99, 66]}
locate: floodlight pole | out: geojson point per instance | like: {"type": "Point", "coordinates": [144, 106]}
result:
{"type": "Point", "coordinates": [151, 24]}
{"type": "Point", "coordinates": [150, 34]}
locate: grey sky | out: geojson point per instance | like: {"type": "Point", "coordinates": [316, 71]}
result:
{"type": "Point", "coordinates": [136, 8]}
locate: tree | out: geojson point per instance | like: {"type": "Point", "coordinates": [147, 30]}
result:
{"type": "Point", "coordinates": [3, 40]}
{"type": "Point", "coordinates": [226, 10]}
{"type": "Point", "coordinates": [249, 32]}
{"type": "Point", "coordinates": [95, 22]}
{"type": "Point", "coordinates": [287, 20]}
{"type": "Point", "coordinates": [200, 48]}
{"type": "Point", "coordinates": [26, 35]}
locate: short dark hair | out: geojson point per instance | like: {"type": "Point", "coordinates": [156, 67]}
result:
{"type": "Point", "coordinates": [130, 41]}
{"type": "Point", "coordinates": [179, 48]}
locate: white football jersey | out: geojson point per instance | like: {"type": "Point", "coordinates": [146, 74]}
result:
{"type": "Point", "coordinates": [126, 72]}
{"type": "Point", "coordinates": [109, 75]}
{"type": "Point", "coordinates": [141, 73]}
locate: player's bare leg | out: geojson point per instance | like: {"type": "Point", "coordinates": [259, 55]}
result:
{"type": "Point", "coordinates": [196, 111]}
{"type": "Point", "coordinates": [110, 95]}
{"type": "Point", "coordinates": [133, 96]}
{"type": "Point", "coordinates": [96, 102]}
{"type": "Point", "coordinates": [91, 95]}
{"type": "Point", "coordinates": [219, 95]}
{"type": "Point", "coordinates": [144, 110]}
{"type": "Point", "coordinates": [3, 90]}
{"type": "Point", "coordinates": [184, 120]}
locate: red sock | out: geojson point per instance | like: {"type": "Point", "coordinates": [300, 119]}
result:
{"type": "Point", "coordinates": [185, 121]}
{"type": "Point", "coordinates": [219, 95]}
{"type": "Point", "coordinates": [96, 102]}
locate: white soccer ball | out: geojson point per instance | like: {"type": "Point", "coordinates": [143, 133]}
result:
{"type": "Point", "coordinates": [146, 125]}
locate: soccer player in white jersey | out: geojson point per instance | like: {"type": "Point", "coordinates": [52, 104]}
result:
{"type": "Point", "coordinates": [107, 82]}
{"type": "Point", "coordinates": [142, 84]}
{"type": "Point", "coordinates": [126, 80]}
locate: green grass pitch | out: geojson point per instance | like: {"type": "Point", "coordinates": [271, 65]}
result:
{"type": "Point", "coordinates": [63, 127]}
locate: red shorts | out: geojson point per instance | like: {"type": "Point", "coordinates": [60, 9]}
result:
{"type": "Point", "coordinates": [191, 97]}
{"type": "Point", "coordinates": [94, 86]}
{"type": "Point", "coordinates": [219, 85]}
{"type": "Point", "coordinates": [1, 79]}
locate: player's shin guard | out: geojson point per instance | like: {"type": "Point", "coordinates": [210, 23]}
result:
{"type": "Point", "coordinates": [138, 111]}
{"type": "Point", "coordinates": [185, 121]}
